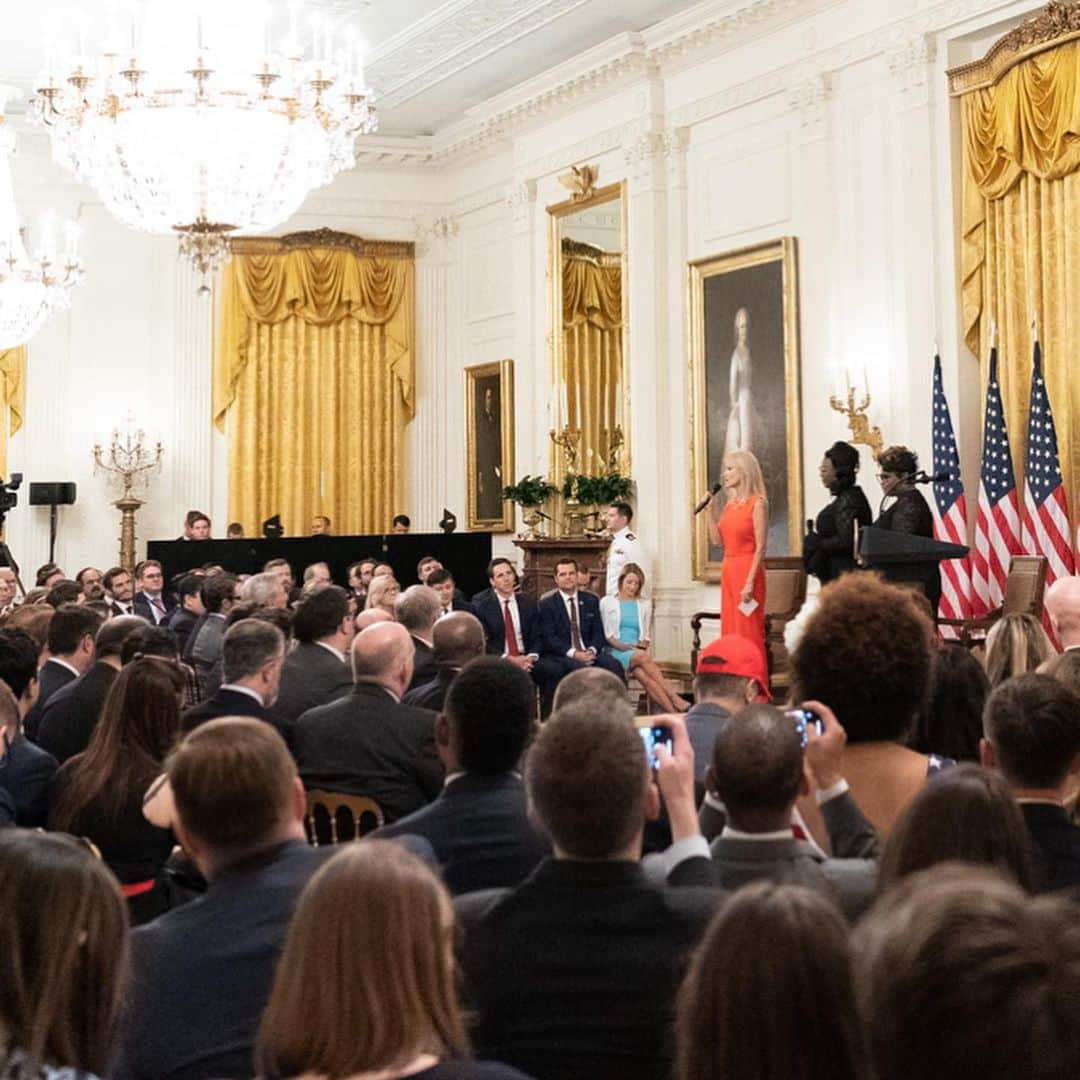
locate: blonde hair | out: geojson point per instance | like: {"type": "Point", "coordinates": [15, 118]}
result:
{"type": "Point", "coordinates": [378, 587]}
{"type": "Point", "coordinates": [1016, 644]}
{"type": "Point", "coordinates": [753, 483]}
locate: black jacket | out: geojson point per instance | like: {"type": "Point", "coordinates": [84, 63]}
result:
{"type": "Point", "coordinates": [311, 676]}
{"type": "Point", "coordinates": [26, 772]}
{"type": "Point", "coordinates": [828, 552]}
{"type": "Point", "coordinates": [51, 678]}
{"type": "Point", "coordinates": [224, 703]}
{"type": "Point", "coordinates": [71, 715]}
{"type": "Point", "coordinates": [140, 605]}
{"type": "Point", "coordinates": [1057, 845]}
{"type": "Point", "coordinates": [555, 630]}
{"type": "Point", "coordinates": [480, 832]}
{"type": "Point", "coordinates": [489, 610]}
{"type": "Point", "coordinates": [368, 744]}
{"type": "Point", "coordinates": [424, 667]}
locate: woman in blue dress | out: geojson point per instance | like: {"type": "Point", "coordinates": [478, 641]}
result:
{"type": "Point", "coordinates": [627, 617]}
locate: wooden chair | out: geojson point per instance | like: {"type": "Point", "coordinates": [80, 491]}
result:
{"type": "Point", "coordinates": [785, 593]}
{"type": "Point", "coordinates": [1024, 588]}
{"type": "Point", "coordinates": [324, 809]}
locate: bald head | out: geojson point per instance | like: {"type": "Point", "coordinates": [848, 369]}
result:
{"type": "Point", "coordinates": [457, 639]}
{"type": "Point", "coordinates": [383, 654]}
{"type": "Point", "coordinates": [593, 685]}
{"type": "Point", "coordinates": [371, 616]}
{"type": "Point", "coordinates": [110, 638]}
{"type": "Point", "coordinates": [1062, 604]}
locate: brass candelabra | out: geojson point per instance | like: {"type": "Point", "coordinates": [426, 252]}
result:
{"type": "Point", "coordinates": [568, 439]}
{"type": "Point", "coordinates": [858, 420]}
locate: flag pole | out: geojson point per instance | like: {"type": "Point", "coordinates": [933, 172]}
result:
{"type": "Point", "coordinates": [1035, 327]}
{"type": "Point", "coordinates": [993, 333]}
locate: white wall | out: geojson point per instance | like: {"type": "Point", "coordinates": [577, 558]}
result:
{"type": "Point", "coordinates": [826, 120]}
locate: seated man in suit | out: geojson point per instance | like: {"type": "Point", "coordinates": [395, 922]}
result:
{"type": "Point", "coordinates": [574, 973]}
{"type": "Point", "coordinates": [451, 598]}
{"type": "Point", "coordinates": [151, 601]}
{"type": "Point", "coordinates": [509, 619]}
{"type": "Point", "coordinates": [478, 826]}
{"type": "Point", "coordinates": [1062, 607]}
{"type": "Point", "coordinates": [69, 719]}
{"type": "Point", "coordinates": [71, 652]}
{"type": "Point", "coordinates": [758, 771]}
{"type": "Point", "coordinates": [456, 639]}
{"type": "Point", "coordinates": [26, 770]}
{"type": "Point", "coordinates": [368, 743]}
{"type": "Point", "coordinates": [317, 670]}
{"type": "Point", "coordinates": [416, 609]}
{"type": "Point", "coordinates": [203, 650]}
{"type": "Point", "coordinates": [202, 973]}
{"type": "Point", "coordinates": [1032, 736]}
{"type": "Point", "coordinates": [571, 634]}
{"type": "Point", "coordinates": [252, 654]}
{"type": "Point", "coordinates": [189, 608]}
{"type": "Point", "coordinates": [119, 590]}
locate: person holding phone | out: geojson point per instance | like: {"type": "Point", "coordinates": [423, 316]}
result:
{"type": "Point", "coordinates": [626, 617]}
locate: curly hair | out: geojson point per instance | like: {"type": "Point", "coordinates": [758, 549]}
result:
{"type": "Point", "coordinates": [898, 460]}
{"type": "Point", "coordinates": [866, 653]}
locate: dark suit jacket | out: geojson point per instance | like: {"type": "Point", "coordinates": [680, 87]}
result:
{"type": "Point", "coordinates": [481, 835]}
{"type": "Point", "coordinates": [424, 667]}
{"type": "Point", "coordinates": [489, 610]}
{"type": "Point", "coordinates": [573, 973]}
{"type": "Point", "coordinates": [202, 972]}
{"type": "Point", "coordinates": [312, 676]}
{"type": "Point", "coordinates": [203, 651]}
{"type": "Point", "coordinates": [1057, 845]}
{"type": "Point", "coordinates": [368, 744]}
{"type": "Point", "coordinates": [555, 639]}
{"type": "Point", "coordinates": [69, 719]}
{"type": "Point", "coordinates": [432, 695]}
{"type": "Point", "coordinates": [26, 772]}
{"type": "Point", "coordinates": [181, 622]}
{"type": "Point", "coordinates": [51, 677]}
{"type": "Point", "coordinates": [224, 703]}
{"type": "Point", "coordinates": [140, 605]}
{"type": "Point", "coordinates": [7, 810]}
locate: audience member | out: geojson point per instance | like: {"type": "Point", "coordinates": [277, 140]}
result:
{"type": "Point", "coordinates": [320, 525]}
{"type": "Point", "coordinates": [359, 576]}
{"type": "Point", "coordinates": [265, 590]}
{"type": "Point", "coordinates": [959, 973]}
{"type": "Point", "coordinates": [317, 670]}
{"type": "Point", "coordinates": [1063, 668]}
{"type": "Point", "coordinates": [478, 826]}
{"type": "Point", "coordinates": [865, 653]}
{"type": "Point", "coordinates": [451, 598]}
{"type": "Point", "coordinates": [89, 576]}
{"type": "Point", "coordinates": [382, 569]}
{"type": "Point", "coordinates": [26, 770]}
{"type": "Point", "coordinates": [119, 590]}
{"type": "Point", "coordinates": [203, 651]}
{"type": "Point", "coordinates": [284, 572]}
{"type": "Point", "coordinates": [317, 574]}
{"type": "Point", "coordinates": [1062, 606]}
{"type": "Point", "coordinates": [967, 814]}
{"type": "Point", "coordinates": [417, 609]}
{"type": "Point", "coordinates": [151, 600]}
{"type": "Point", "coordinates": [8, 589]}
{"type": "Point", "coordinates": [64, 592]}
{"type": "Point", "coordinates": [234, 530]}
{"type": "Point", "coordinates": [1016, 644]}
{"type": "Point", "coordinates": [48, 575]}
{"type": "Point", "coordinates": [202, 973]}
{"type": "Point", "coordinates": [252, 655]}
{"type": "Point", "coordinates": [571, 634]}
{"type": "Point", "coordinates": [34, 620]}
{"type": "Point", "coordinates": [182, 619]}
{"type": "Point", "coordinates": [591, 685]}
{"type": "Point", "coordinates": [366, 984]}
{"type": "Point", "coordinates": [69, 718]}
{"type": "Point", "coordinates": [400, 524]}
{"type": "Point", "coordinates": [769, 994]}
{"type": "Point", "coordinates": [950, 723]}
{"type": "Point", "coordinates": [382, 593]}
{"type": "Point", "coordinates": [508, 617]}
{"type": "Point", "coordinates": [371, 616]}
{"type": "Point", "coordinates": [574, 972]}
{"type": "Point", "coordinates": [369, 743]}
{"type": "Point", "coordinates": [1032, 726]}
{"type": "Point", "coordinates": [424, 567]}
{"type": "Point", "coordinates": [63, 938]}
{"type": "Point", "coordinates": [457, 638]}
{"type": "Point", "coordinates": [99, 793]}
{"type": "Point", "coordinates": [71, 652]}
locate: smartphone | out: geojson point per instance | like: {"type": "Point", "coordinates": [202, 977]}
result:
{"type": "Point", "coordinates": [658, 734]}
{"type": "Point", "coordinates": [804, 720]}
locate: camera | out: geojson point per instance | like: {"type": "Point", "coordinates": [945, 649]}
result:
{"type": "Point", "coordinates": [652, 737]}
{"type": "Point", "coordinates": [805, 719]}
{"type": "Point", "coordinates": [8, 494]}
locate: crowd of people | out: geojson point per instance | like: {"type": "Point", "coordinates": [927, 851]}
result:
{"type": "Point", "coordinates": [872, 880]}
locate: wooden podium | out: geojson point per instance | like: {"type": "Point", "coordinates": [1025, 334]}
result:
{"type": "Point", "coordinates": [540, 557]}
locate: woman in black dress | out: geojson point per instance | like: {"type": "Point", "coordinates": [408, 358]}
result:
{"type": "Point", "coordinates": [905, 510]}
{"type": "Point", "coordinates": [828, 549]}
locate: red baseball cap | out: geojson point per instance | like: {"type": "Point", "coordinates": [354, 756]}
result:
{"type": "Point", "coordinates": [734, 655]}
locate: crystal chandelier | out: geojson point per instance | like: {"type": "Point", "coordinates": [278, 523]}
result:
{"type": "Point", "coordinates": [199, 125]}
{"type": "Point", "coordinates": [31, 287]}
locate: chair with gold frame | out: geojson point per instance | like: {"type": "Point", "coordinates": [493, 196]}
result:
{"type": "Point", "coordinates": [324, 809]}
{"type": "Point", "coordinates": [1024, 588]}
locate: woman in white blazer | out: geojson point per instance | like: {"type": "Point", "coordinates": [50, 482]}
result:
{"type": "Point", "coordinates": [627, 619]}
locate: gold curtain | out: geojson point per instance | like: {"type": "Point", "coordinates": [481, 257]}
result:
{"type": "Point", "coordinates": [592, 351]}
{"type": "Point", "coordinates": [12, 395]}
{"type": "Point", "coordinates": [1021, 237]}
{"type": "Point", "coordinates": [314, 367]}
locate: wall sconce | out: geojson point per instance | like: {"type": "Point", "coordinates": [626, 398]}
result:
{"type": "Point", "coordinates": [858, 420]}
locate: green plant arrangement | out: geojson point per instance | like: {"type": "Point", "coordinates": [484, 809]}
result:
{"type": "Point", "coordinates": [529, 491]}
{"type": "Point", "coordinates": [598, 490]}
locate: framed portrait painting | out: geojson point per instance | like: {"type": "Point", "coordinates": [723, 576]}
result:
{"type": "Point", "coordinates": [489, 444]}
{"type": "Point", "coordinates": [744, 343]}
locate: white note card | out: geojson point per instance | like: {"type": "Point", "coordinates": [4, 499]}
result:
{"type": "Point", "coordinates": [748, 607]}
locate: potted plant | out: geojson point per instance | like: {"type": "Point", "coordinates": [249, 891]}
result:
{"type": "Point", "coordinates": [530, 493]}
{"type": "Point", "coordinates": [597, 491]}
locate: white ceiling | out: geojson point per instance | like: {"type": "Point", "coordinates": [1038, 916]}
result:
{"type": "Point", "coordinates": [428, 60]}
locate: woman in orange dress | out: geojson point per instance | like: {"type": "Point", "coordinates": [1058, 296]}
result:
{"type": "Point", "coordinates": [742, 530]}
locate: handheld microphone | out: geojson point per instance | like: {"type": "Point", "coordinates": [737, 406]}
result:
{"type": "Point", "coordinates": [708, 498]}
{"type": "Point", "coordinates": [809, 525]}
{"type": "Point", "coordinates": [937, 478]}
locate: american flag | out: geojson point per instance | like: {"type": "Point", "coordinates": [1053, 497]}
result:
{"type": "Point", "coordinates": [950, 508]}
{"type": "Point", "coordinates": [997, 525]}
{"type": "Point", "coordinates": [1045, 522]}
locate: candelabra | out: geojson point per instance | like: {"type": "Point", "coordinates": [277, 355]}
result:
{"type": "Point", "coordinates": [858, 421]}
{"type": "Point", "coordinates": [573, 519]}
{"type": "Point", "coordinates": [127, 461]}
{"type": "Point", "coordinates": [615, 442]}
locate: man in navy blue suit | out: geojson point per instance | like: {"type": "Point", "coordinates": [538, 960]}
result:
{"type": "Point", "coordinates": [571, 634]}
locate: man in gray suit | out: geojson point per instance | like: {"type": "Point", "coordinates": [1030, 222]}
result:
{"type": "Point", "coordinates": [758, 771]}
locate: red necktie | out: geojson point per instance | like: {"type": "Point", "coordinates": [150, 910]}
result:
{"type": "Point", "coordinates": [511, 636]}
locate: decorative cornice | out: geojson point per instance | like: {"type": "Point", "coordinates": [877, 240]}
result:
{"type": "Point", "coordinates": [809, 98]}
{"type": "Point", "coordinates": [279, 245]}
{"type": "Point", "coordinates": [1059, 21]}
{"type": "Point", "coordinates": [520, 199]}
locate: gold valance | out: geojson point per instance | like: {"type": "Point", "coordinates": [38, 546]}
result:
{"type": "Point", "coordinates": [592, 293]}
{"type": "Point", "coordinates": [12, 395]}
{"type": "Point", "coordinates": [321, 286]}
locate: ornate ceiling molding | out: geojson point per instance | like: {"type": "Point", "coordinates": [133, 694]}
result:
{"type": "Point", "coordinates": [280, 245]}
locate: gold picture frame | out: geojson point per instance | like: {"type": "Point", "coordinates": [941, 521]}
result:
{"type": "Point", "coordinates": [761, 281]}
{"type": "Point", "coordinates": [489, 444]}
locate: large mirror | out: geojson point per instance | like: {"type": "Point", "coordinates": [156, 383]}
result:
{"type": "Point", "coordinates": [589, 333]}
